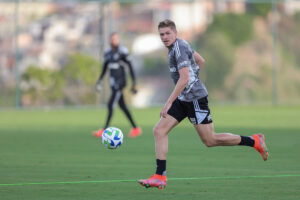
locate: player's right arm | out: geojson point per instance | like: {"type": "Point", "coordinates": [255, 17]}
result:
{"type": "Point", "coordinates": [104, 69]}
{"type": "Point", "coordinates": [179, 87]}
{"type": "Point", "coordinates": [199, 59]}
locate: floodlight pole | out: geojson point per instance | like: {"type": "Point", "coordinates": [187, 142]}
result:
{"type": "Point", "coordinates": [17, 55]}
{"type": "Point", "coordinates": [274, 53]}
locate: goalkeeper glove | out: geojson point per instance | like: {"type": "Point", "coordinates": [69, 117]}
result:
{"type": "Point", "coordinates": [98, 86]}
{"type": "Point", "coordinates": [133, 89]}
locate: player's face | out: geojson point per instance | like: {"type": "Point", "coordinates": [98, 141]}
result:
{"type": "Point", "coordinates": [114, 40]}
{"type": "Point", "coordinates": [167, 35]}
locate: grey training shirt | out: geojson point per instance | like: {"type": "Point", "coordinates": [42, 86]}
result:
{"type": "Point", "coordinates": [181, 55]}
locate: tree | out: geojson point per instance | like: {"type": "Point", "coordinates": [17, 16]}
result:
{"type": "Point", "coordinates": [42, 85]}
{"type": "Point", "coordinates": [237, 27]}
{"type": "Point", "coordinates": [73, 84]}
{"type": "Point", "coordinates": [80, 74]}
{"type": "Point", "coordinates": [219, 55]}
{"type": "Point", "coordinates": [259, 9]}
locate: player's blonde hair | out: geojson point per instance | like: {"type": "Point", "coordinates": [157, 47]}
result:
{"type": "Point", "coordinates": [167, 23]}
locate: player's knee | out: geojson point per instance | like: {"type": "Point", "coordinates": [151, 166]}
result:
{"type": "Point", "coordinates": [157, 131]}
{"type": "Point", "coordinates": [209, 142]}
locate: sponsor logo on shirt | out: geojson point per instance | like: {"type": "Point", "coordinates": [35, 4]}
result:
{"type": "Point", "coordinates": [116, 56]}
{"type": "Point", "coordinates": [113, 65]}
{"type": "Point", "coordinates": [172, 69]}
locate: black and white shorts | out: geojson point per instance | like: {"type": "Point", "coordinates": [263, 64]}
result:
{"type": "Point", "coordinates": [197, 111]}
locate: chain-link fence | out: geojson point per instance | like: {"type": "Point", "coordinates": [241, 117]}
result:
{"type": "Point", "coordinates": [52, 52]}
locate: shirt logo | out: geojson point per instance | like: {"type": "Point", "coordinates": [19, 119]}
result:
{"type": "Point", "coordinates": [113, 66]}
{"type": "Point", "coordinates": [116, 56]}
{"type": "Point", "coordinates": [172, 69]}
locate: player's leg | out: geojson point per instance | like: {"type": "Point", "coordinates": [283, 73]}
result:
{"type": "Point", "coordinates": [175, 115]}
{"type": "Point", "coordinates": [110, 106]}
{"type": "Point", "coordinates": [160, 131]}
{"type": "Point", "coordinates": [212, 139]}
{"type": "Point", "coordinates": [115, 95]}
{"type": "Point", "coordinates": [135, 131]}
{"type": "Point", "coordinates": [200, 113]}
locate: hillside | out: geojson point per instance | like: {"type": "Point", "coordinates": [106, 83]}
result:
{"type": "Point", "coordinates": [251, 77]}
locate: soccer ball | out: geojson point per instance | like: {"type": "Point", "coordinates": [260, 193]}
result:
{"type": "Point", "coordinates": [112, 138]}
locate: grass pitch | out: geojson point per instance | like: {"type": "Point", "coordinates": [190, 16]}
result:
{"type": "Point", "coordinates": [51, 154]}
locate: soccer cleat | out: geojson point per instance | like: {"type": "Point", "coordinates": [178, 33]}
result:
{"type": "Point", "coordinates": [135, 132]}
{"type": "Point", "coordinates": [260, 145]}
{"type": "Point", "coordinates": [98, 133]}
{"type": "Point", "coordinates": [159, 181]}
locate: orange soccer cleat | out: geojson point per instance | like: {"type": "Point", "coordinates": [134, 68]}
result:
{"type": "Point", "coordinates": [260, 145]}
{"type": "Point", "coordinates": [135, 132]}
{"type": "Point", "coordinates": [159, 181]}
{"type": "Point", "coordinates": [98, 133]}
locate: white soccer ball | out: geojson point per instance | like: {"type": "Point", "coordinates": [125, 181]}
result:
{"type": "Point", "coordinates": [112, 138]}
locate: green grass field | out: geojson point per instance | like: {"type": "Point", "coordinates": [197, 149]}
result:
{"type": "Point", "coordinates": [51, 154]}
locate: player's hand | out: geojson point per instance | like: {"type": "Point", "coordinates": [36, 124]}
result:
{"type": "Point", "coordinates": [133, 89]}
{"type": "Point", "coordinates": [165, 109]}
{"type": "Point", "coordinates": [98, 86]}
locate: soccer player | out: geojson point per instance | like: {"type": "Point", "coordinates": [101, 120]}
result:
{"type": "Point", "coordinates": [188, 99]}
{"type": "Point", "coordinates": [116, 59]}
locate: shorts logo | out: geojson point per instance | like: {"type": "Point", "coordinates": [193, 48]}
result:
{"type": "Point", "coordinates": [193, 120]}
{"type": "Point", "coordinates": [209, 118]}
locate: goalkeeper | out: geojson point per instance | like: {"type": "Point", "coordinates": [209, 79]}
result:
{"type": "Point", "coordinates": [117, 59]}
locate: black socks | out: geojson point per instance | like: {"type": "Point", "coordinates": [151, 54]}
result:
{"type": "Point", "coordinates": [161, 164]}
{"type": "Point", "coordinates": [247, 141]}
{"type": "Point", "coordinates": [161, 167]}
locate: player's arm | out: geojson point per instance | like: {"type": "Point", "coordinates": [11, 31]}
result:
{"type": "Point", "coordinates": [179, 87]}
{"type": "Point", "coordinates": [132, 74]}
{"type": "Point", "coordinates": [104, 69]}
{"type": "Point", "coordinates": [199, 59]}
{"type": "Point", "coordinates": [133, 88]}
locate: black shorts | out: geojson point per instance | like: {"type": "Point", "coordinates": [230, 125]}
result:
{"type": "Point", "coordinates": [197, 111]}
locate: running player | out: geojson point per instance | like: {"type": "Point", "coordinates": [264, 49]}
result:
{"type": "Point", "coordinates": [116, 59]}
{"type": "Point", "coordinates": [188, 99]}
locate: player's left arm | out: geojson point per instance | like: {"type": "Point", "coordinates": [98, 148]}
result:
{"type": "Point", "coordinates": [127, 60]}
{"type": "Point", "coordinates": [131, 71]}
{"type": "Point", "coordinates": [179, 87]}
{"type": "Point", "coordinates": [199, 59]}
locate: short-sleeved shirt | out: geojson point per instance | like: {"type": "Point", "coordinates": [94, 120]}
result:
{"type": "Point", "coordinates": [117, 60]}
{"type": "Point", "coordinates": [181, 55]}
